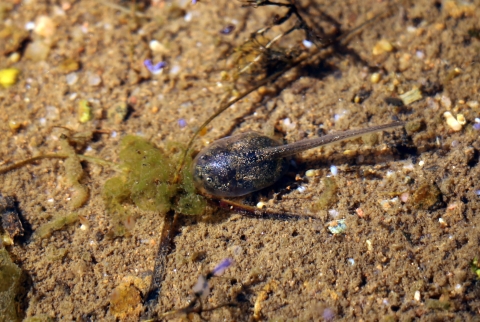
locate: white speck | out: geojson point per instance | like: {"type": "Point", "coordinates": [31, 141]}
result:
{"type": "Point", "coordinates": [92, 243]}
{"type": "Point", "coordinates": [307, 43]}
{"type": "Point", "coordinates": [175, 69]}
{"type": "Point", "coordinates": [261, 205]}
{"type": "Point", "coordinates": [155, 45]}
{"type": "Point", "coordinates": [351, 261]}
{"type": "Point", "coordinates": [93, 79]}
{"type": "Point", "coordinates": [334, 170]}
{"type": "Point", "coordinates": [288, 123]}
{"type": "Point", "coordinates": [73, 96]}
{"type": "Point", "coordinates": [337, 117]}
{"type": "Point", "coordinates": [390, 173]}
{"type": "Point", "coordinates": [71, 78]}
{"type": "Point", "coordinates": [113, 134]}
{"type": "Point", "coordinates": [301, 189]}
{"type": "Point", "coordinates": [385, 302]}
{"type": "Point", "coordinates": [408, 167]}
{"type": "Point", "coordinates": [420, 54]}
{"type": "Point", "coordinates": [421, 163]}
{"type": "Point", "coordinates": [88, 149]}
{"type": "Point", "coordinates": [369, 245]}
{"type": "Point", "coordinates": [51, 112]}
{"type": "Point", "coordinates": [477, 192]}
{"type": "Point", "coordinates": [411, 29]}
{"type": "Point", "coordinates": [334, 213]}
{"type": "Point", "coordinates": [188, 17]}
{"type": "Point", "coordinates": [30, 26]}
{"type": "Point", "coordinates": [43, 121]}
{"type": "Point", "coordinates": [417, 296]}
{"type": "Point", "coordinates": [83, 227]}
{"type": "Point", "coordinates": [51, 200]}
{"type": "Point", "coordinates": [477, 120]}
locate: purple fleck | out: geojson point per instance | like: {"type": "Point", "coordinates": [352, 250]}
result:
{"type": "Point", "coordinates": [328, 314]}
{"type": "Point", "coordinates": [220, 268]}
{"type": "Point", "coordinates": [194, 1]}
{"type": "Point", "coordinates": [154, 69]}
{"type": "Point", "coordinates": [227, 30]}
{"type": "Point", "coordinates": [477, 192]}
{"type": "Point", "coordinates": [182, 123]}
{"type": "Point", "coordinates": [476, 126]}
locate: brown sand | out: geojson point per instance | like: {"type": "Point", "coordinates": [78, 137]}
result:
{"type": "Point", "coordinates": [298, 268]}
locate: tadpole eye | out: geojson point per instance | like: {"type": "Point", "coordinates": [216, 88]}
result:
{"type": "Point", "coordinates": [209, 180]}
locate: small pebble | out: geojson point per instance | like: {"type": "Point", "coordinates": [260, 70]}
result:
{"type": "Point", "coordinates": [44, 26]}
{"type": "Point", "coordinates": [261, 205]}
{"type": "Point", "coordinates": [411, 96]}
{"type": "Point", "coordinates": [461, 119]}
{"type": "Point", "coordinates": [452, 122]}
{"type": "Point", "coordinates": [477, 193]}
{"type": "Point", "coordinates": [310, 173]}
{"type": "Point", "coordinates": [227, 30]}
{"type": "Point", "coordinates": [351, 261]}
{"type": "Point", "coordinates": [446, 102]}
{"type": "Point", "coordinates": [308, 44]}
{"type": "Point", "coordinates": [416, 296]}
{"type": "Point", "coordinates": [14, 126]}
{"type": "Point", "coordinates": [334, 213]}
{"type": "Point", "coordinates": [476, 126]}
{"type": "Point", "coordinates": [473, 104]}
{"type": "Point", "coordinates": [334, 170]}
{"type": "Point", "coordinates": [337, 226]}
{"type": "Point", "coordinates": [382, 46]}
{"type": "Point", "coordinates": [182, 123]}
{"type": "Point", "coordinates": [156, 46]}
{"type": "Point", "coordinates": [375, 78]}
{"type": "Point", "coordinates": [14, 57]}
{"type": "Point", "coordinates": [94, 79]}
{"type": "Point", "coordinates": [30, 26]}
{"type": "Point", "coordinates": [369, 245]}
{"type": "Point", "coordinates": [8, 77]}
{"type": "Point", "coordinates": [404, 196]}
{"type": "Point", "coordinates": [71, 78]}
{"type": "Point", "coordinates": [301, 189]}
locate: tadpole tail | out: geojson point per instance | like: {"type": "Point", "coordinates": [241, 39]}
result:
{"type": "Point", "coordinates": [303, 145]}
{"type": "Point", "coordinates": [169, 229]}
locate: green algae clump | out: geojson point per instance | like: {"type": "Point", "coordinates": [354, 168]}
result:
{"type": "Point", "coordinates": [55, 224]}
{"type": "Point", "coordinates": [10, 275]}
{"type": "Point", "coordinates": [148, 181]}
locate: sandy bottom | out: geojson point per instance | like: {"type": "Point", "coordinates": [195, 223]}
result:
{"type": "Point", "coordinates": [404, 255]}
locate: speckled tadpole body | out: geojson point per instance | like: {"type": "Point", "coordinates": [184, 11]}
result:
{"type": "Point", "coordinates": [238, 165]}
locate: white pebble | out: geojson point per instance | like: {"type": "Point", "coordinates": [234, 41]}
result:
{"type": "Point", "coordinates": [71, 78]}
{"type": "Point", "coordinates": [461, 119]}
{"type": "Point", "coordinates": [307, 43]}
{"type": "Point", "coordinates": [155, 45]}
{"type": "Point", "coordinates": [301, 189]}
{"type": "Point", "coordinates": [351, 261]}
{"type": "Point", "coordinates": [452, 122]}
{"type": "Point", "coordinates": [421, 163]}
{"type": "Point", "coordinates": [261, 205]}
{"type": "Point", "coordinates": [446, 102]}
{"type": "Point", "coordinates": [188, 17]}
{"type": "Point", "coordinates": [334, 170]}
{"type": "Point", "coordinates": [334, 213]}
{"type": "Point", "coordinates": [30, 26]}
{"type": "Point", "coordinates": [94, 79]}
{"type": "Point", "coordinates": [417, 296]}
